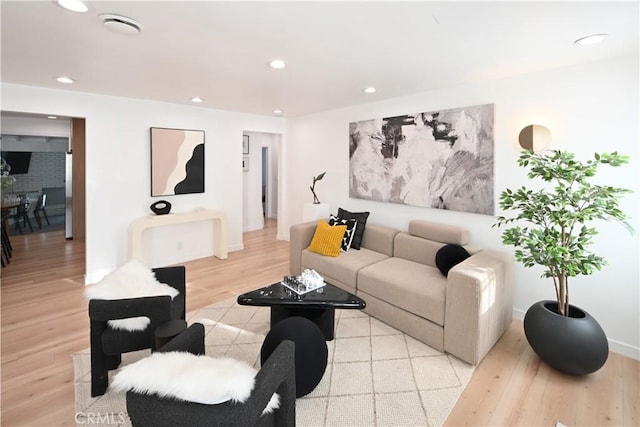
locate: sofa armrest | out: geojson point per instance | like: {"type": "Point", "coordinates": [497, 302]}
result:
{"type": "Point", "coordinates": [479, 304]}
{"type": "Point", "coordinates": [300, 236]}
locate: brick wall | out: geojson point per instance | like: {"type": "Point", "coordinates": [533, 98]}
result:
{"type": "Point", "coordinates": [45, 170]}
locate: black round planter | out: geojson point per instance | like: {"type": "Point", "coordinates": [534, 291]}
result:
{"type": "Point", "coordinates": [574, 344]}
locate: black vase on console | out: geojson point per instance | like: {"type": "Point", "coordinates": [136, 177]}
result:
{"type": "Point", "coordinates": [161, 207]}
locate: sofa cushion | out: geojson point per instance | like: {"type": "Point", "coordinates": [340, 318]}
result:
{"type": "Point", "coordinates": [379, 238]}
{"type": "Point", "coordinates": [361, 217]}
{"type": "Point", "coordinates": [449, 256]}
{"type": "Point", "coordinates": [348, 234]}
{"type": "Point", "coordinates": [417, 288]}
{"type": "Point", "coordinates": [344, 267]}
{"type": "Point", "coordinates": [444, 233]}
{"type": "Point", "coordinates": [327, 240]}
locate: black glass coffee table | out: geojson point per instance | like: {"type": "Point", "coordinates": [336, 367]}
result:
{"type": "Point", "coordinates": [318, 305]}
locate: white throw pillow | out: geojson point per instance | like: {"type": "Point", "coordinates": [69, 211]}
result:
{"type": "Point", "coordinates": [131, 280]}
{"type": "Point", "coordinates": [185, 376]}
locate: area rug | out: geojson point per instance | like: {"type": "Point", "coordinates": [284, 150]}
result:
{"type": "Point", "coordinates": [376, 375]}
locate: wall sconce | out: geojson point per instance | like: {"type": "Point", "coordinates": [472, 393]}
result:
{"type": "Point", "coordinates": [534, 138]}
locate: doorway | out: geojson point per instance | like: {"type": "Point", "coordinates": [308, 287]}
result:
{"type": "Point", "coordinates": [51, 138]}
{"type": "Point", "coordinates": [260, 179]}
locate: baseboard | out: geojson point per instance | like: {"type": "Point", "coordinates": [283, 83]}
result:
{"type": "Point", "coordinates": [235, 248]}
{"type": "Point", "coordinates": [624, 349]}
{"type": "Point", "coordinates": [614, 346]}
{"type": "Point", "coordinates": [518, 314]}
{"type": "Point", "coordinates": [282, 237]}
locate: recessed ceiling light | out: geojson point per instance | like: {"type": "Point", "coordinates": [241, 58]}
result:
{"type": "Point", "coordinates": [278, 64]}
{"type": "Point", "coordinates": [196, 99]}
{"type": "Point", "coordinates": [51, 117]}
{"type": "Point", "coordinates": [277, 112]}
{"type": "Point", "coordinates": [369, 89]}
{"type": "Point", "coordinates": [66, 80]}
{"type": "Point", "coordinates": [120, 24]}
{"type": "Point", "coordinates": [74, 5]}
{"type": "Point", "coordinates": [592, 39]}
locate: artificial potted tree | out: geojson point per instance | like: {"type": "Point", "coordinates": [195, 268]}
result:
{"type": "Point", "coordinates": [555, 235]}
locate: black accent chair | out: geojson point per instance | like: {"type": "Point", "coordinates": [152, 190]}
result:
{"type": "Point", "coordinates": [107, 344]}
{"type": "Point", "coordinates": [276, 375]}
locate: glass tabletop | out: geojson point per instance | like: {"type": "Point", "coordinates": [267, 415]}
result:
{"type": "Point", "coordinates": [325, 297]}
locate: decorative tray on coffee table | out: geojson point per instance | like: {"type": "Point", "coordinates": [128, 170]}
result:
{"type": "Point", "coordinates": [308, 281]}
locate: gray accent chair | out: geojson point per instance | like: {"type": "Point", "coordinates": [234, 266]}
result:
{"type": "Point", "coordinates": [276, 375]}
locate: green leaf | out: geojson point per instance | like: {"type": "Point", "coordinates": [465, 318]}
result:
{"type": "Point", "coordinates": [551, 220]}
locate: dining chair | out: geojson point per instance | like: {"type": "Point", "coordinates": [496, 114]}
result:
{"type": "Point", "coordinates": [7, 247]}
{"type": "Point", "coordinates": [40, 208]}
{"type": "Point", "coordinates": [5, 255]}
{"type": "Point", "coordinates": [21, 215]}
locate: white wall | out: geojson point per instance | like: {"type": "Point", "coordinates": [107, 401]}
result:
{"type": "Point", "coordinates": [35, 134]}
{"type": "Point", "coordinates": [118, 178]}
{"type": "Point", "coordinates": [587, 108]}
{"type": "Point", "coordinates": [13, 125]}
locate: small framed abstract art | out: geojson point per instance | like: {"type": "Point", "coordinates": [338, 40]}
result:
{"type": "Point", "coordinates": [245, 144]}
{"type": "Point", "coordinates": [177, 161]}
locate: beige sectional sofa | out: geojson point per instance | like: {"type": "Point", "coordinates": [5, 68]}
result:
{"type": "Point", "coordinates": [395, 272]}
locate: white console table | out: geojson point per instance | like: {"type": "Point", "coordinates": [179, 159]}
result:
{"type": "Point", "coordinates": [219, 218]}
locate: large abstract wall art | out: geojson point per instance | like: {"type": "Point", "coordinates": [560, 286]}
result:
{"type": "Point", "coordinates": [440, 159]}
{"type": "Point", "coordinates": [177, 161]}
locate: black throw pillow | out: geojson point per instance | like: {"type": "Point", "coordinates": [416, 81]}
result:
{"type": "Point", "coordinates": [361, 218]}
{"type": "Point", "coordinates": [449, 256]}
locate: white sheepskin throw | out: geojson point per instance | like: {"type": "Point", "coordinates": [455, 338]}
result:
{"type": "Point", "coordinates": [131, 280]}
{"type": "Point", "coordinates": [185, 376]}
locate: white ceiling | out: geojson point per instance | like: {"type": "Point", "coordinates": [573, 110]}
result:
{"type": "Point", "coordinates": [219, 50]}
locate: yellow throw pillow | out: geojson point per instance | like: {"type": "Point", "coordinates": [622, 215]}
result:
{"type": "Point", "coordinates": [327, 240]}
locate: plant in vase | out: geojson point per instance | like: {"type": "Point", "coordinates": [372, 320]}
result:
{"type": "Point", "coordinates": [557, 238]}
{"type": "Point", "coordinates": [316, 201]}
{"type": "Point", "coordinates": [6, 180]}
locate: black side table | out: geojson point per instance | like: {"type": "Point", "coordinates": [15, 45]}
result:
{"type": "Point", "coordinates": [168, 331]}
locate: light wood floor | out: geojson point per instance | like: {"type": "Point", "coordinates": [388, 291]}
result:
{"type": "Point", "coordinates": [44, 321]}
